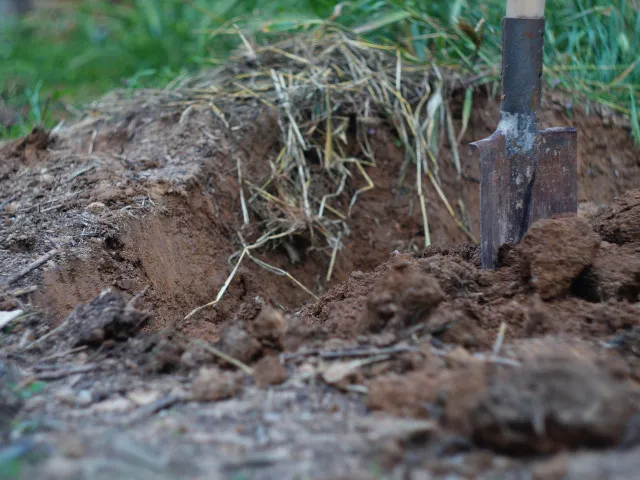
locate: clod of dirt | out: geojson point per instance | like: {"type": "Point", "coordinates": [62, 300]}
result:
{"type": "Point", "coordinates": [404, 296]}
{"type": "Point", "coordinates": [466, 251]}
{"type": "Point", "coordinates": [405, 396]}
{"type": "Point", "coordinates": [269, 327]}
{"type": "Point", "coordinates": [95, 207]}
{"type": "Point", "coordinates": [453, 324]}
{"type": "Point", "coordinates": [237, 343]}
{"type": "Point", "coordinates": [299, 334]}
{"type": "Point", "coordinates": [550, 407]}
{"type": "Point", "coordinates": [620, 221]}
{"type": "Point", "coordinates": [344, 317]}
{"type": "Point", "coordinates": [456, 276]}
{"type": "Point", "coordinates": [554, 252]}
{"type": "Point", "coordinates": [460, 389]}
{"type": "Point", "coordinates": [19, 243]}
{"type": "Point", "coordinates": [341, 312]}
{"type": "Point", "coordinates": [37, 141]}
{"type": "Point", "coordinates": [270, 371]}
{"type": "Point", "coordinates": [214, 384]}
{"type": "Point", "coordinates": [106, 317]}
{"type": "Point", "coordinates": [391, 437]}
{"type": "Point", "coordinates": [161, 352]}
{"type": "Point", "coordinates": [615, 274]}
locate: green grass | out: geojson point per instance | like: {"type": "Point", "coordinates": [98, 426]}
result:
{"type": "Point", "coordinates": [51, 62]}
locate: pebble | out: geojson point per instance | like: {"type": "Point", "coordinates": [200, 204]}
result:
{"type": "Point", "coordinates": [213, 384]}
{"type": "Point", "coordinates": [84, 398]}
{"type": "Point", "coordinates": [113, 405]}
{"type": "Point", "coordinates": [143, 397]}
{"type": "Point", "coordinates": [47, 178]}
{"type": "Point", "coordinates": [95, 207]}
{"type": "Point", "coordinates": [60, 468]}
{"type": "Point", "coordinates": [66, 395]}
{"type": "Point", "coordinates": [306, 371]}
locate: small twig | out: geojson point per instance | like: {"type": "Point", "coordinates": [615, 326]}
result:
{"type": "Point", "coordinates": [32, 266]}
{"type": "Point", "coordinates": [63, 354]}
{"type": "Point", "coordinates": [79, 172]}
{"type": "Point", "coordinates": [93, 140]}
{"type": "Point", "coordinates": [131, 304]}
{"type": "Point", "coordinates": [152, 408]}
{"type": "Point", "coordinates": [281, 272]}
{"type": "Point", "coordinates": [500, 339]}
{"type": "Point", "coordinates": [227, 358]}
{"type": "Point", "coordinates": [51, 209]}
{"type": "Point", "coordinates": [334, 253]}
{"type": "Point", "coordinates": [246, 252]}
{"type": "Point", "coordinates": [369, 186]}
{"type": "Point", "coordinates": [222, 290]}
{"type": "Point", "coordinates": [243, 203]}
{"type": "Point", "coordinates": [20, 292]}
{"type": "Point", "coordinates": [361, 389]}
{"type": "Point", "coordinates": [46, 336]}
{"type": "Point", "coordinates": [453, 143]}
{"type": "Point", "coordinates": [57, 374]}
{"type": "Point", "coordinates": [369, 352]}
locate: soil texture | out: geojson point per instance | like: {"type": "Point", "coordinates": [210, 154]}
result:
{"type": "Point", "coordinates": [409, 362]}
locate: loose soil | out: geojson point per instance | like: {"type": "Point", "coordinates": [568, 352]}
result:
{"type": "Point", "coordinates": [410, 362]}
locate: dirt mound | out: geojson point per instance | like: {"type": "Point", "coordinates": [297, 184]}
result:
{"type": "Point", "coordinates": [618, 223]}
{"type": "Point", "coordinates": [139, 219]}
{"type": "Point", "coordinates": [546, 285]}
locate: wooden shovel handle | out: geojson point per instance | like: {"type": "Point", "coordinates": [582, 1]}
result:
{"type": "Point", "coordinates": [525, 8]}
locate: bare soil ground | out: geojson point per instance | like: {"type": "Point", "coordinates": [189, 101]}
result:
{"type": "Point", "coordinates": [410, 363]}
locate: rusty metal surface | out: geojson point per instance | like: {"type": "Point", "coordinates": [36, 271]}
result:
{"type": "Point", "coordinates": [509, 202]}
{"type": "Point", "coordinates": [555, 189]}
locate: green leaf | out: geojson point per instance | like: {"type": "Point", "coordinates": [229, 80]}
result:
{"type": "Point", "coordinates": [419, 43]}
{"type": "Point", "coordinates": [32, 389]}
{"type": "Point", "coordinates": [467, 107]}
{"type": "Point", "coordinates": [635, 126]}
{"type": "Point", "coordinates": [391, 18]}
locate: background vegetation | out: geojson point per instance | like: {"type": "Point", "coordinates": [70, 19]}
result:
{"type": "Point", "coordinates": [54, 60]}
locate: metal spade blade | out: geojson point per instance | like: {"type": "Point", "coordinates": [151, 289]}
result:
{"type": "Point", "coordinates": [525, 174]}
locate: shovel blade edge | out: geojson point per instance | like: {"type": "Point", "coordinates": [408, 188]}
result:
{"type": "Point", "coordinates": [516, 192]}
{"type": "Point", "coordinates": [555, 190]}
{"type": "Point", "coordinates": [495, 195]}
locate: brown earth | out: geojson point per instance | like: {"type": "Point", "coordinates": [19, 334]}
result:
{"type": "Point", "coordinates": [411, 362]}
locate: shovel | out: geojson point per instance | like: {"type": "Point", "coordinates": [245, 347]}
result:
{"type": "Point", "coordinates": [525, 174]}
